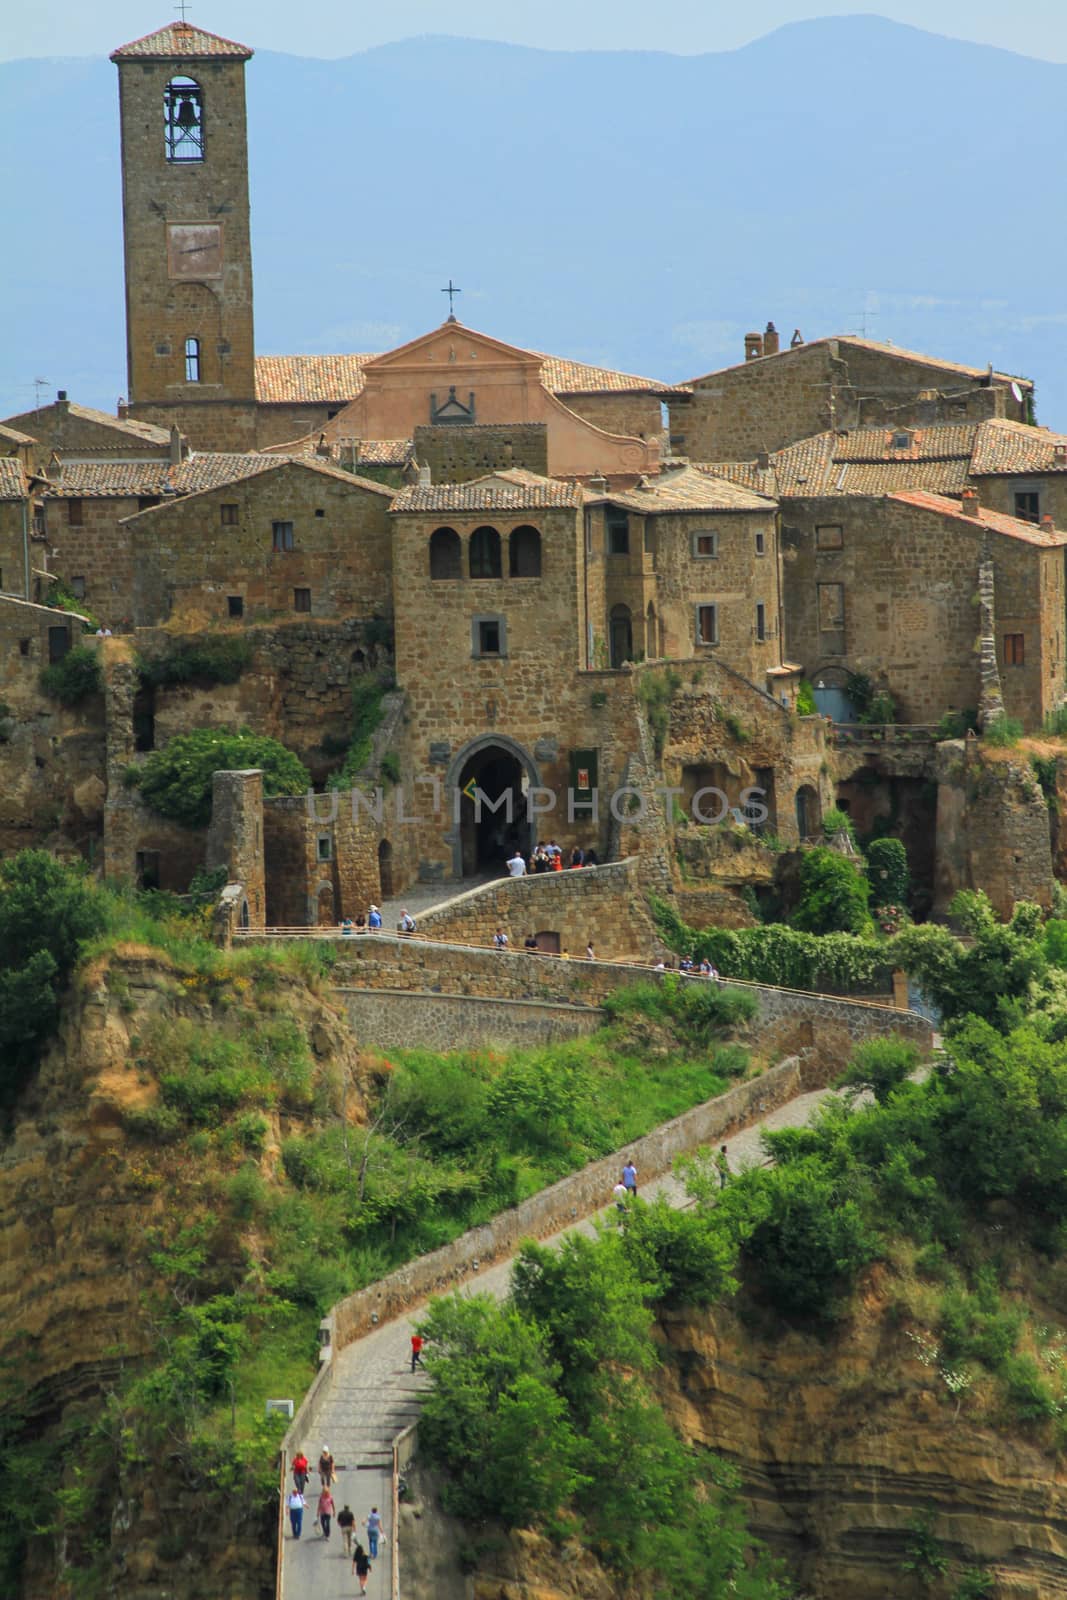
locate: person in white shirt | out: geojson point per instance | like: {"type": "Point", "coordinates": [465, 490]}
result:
{"type": "Point", "coordinates": [516, 865]}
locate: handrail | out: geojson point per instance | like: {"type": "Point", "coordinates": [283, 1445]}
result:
{"type": "Point", "coordinates": [279, 1554]}
{"type": "Point", "coordinates": [335, 934]}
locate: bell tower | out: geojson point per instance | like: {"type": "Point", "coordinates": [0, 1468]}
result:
{"type": "Point", "coordinates": [188, 258]}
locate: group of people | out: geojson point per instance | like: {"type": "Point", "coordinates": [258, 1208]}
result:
{"type": "Point", "coordinates": [548, 858]}
{"type": "Point", "coordinates": [694, 969]}
{"type": "Point", "coordinates": [326, 1513]}
{"type": "Point", "coordinates": [626, 1188]}
{"type": "Point", "coordinates": [373, 921]}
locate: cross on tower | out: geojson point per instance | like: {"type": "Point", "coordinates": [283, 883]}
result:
{"type": "Point", "coordinates": [182, 6]}
{"type": "Point", "coordinates": [451, 292]}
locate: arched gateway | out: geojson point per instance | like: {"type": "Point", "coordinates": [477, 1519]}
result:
{"type": "Point", "coordinates": [489, 829]}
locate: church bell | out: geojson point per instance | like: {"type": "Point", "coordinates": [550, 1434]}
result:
{"type": "Point", "coordinates": [187, 114]}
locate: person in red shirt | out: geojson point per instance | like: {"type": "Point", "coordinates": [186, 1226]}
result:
{"type": "Point", "coordinates": [416, 1351]}
{"type": "Point", "coordinates": [300, 1470]}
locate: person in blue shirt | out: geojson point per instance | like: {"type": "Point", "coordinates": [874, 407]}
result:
{"type": "Point", "coordinates": [374, 918]}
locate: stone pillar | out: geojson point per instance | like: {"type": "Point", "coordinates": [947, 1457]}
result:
{"type": "Point", "coordinates": [900, 989]}
{"type": "Point", "coordinates": [990, 697]}
{"type": "Point", "coordinates": [235, 836]}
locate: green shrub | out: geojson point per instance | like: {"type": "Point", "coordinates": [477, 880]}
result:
{"type": "Point", "coordinates": [806, 706]}
{"type": "Point", "coordinates": [735, 727]}
{"type": "Point", "coordinates": [881, 708]}
{"type": "Point", "coordinates": [1005, 731]}
{"type": "Point", "coordinates": [833, 895]}
{"type": "Point", "coordinates": [156, 1124]}
{"type": "Point", "coordinates": [1055, 722]}
{"type": "Point", "coordinates": [655, 691]}
{"type": "Point", "coordinates": [209, 661]}
{"type": "Point", "coordinates": [836, 821]}
{"type": "Point", "coordinates": [367, 694]}
{"type": "Point", "coordinates": [811, 1241]}
{"type": "Point", "coordinates": [176, 781]}
{"type": "Point", "coordinates": [881, 1065]}
{"type": "Point", "coordinates": [887, 872]}
{"type": "Point", "coordinates": [957, 724]}
{"type": "Point", "coordinates": [74, 678]}
{"type": "Point", "coordinates": [1044, 769]}
{"type": "Point", "coordinates": [390, 767]}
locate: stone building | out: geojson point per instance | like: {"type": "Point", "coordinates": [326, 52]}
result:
{"type": "Point", "coordinates": [777, 396]}
{"type": "Point", "coordinates": [887, 586]}
{"type": "Point", "coordinates": [285, 538]}
{"type": "Point", "coordinates": [187, 246]}
{"type": "Point", "coordinates": [68, 432]}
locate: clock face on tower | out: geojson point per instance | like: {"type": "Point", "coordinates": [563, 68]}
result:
{"type": "Point", "coordinates": [194, 250]}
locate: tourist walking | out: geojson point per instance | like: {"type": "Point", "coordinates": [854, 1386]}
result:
{"type": "Point", "coordinates": [300, 1470]}
{"type": "Point", "coordinates": [590, 953]}
{"type": "Point", "coordinates": [416, 1351]}
{"type": "Point", "coordinates": [361, 1567]}
{"type": "Point", "coordinates": [622, 1196]}
{"type": "Point", "coordinates": [325, 1509]}
{"type": "Point", "coordinates": [500, 940]}
{"type": "Point", "coordinates": [346, 1521]}
{"type": "Point", "coordinates": [374, 1531]}
{"type": "Point", "coordinates": [722, 1166]}
{"type": "Point", "coordinates": [374, 918]}
{"type": "Point", "coordinates": [629, 1178]}
{"type": "Point", "coordinates": [326, 1468]}
{"type": "Point", "coordinates": [517, 865]}
{"type": "Point", "coordinates": [295, 1503]}
{"type": "Point", "coordinates": [407, 922]}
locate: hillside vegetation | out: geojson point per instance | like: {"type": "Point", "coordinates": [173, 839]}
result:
{"type": "Point", "coordinates": [245, 1163]}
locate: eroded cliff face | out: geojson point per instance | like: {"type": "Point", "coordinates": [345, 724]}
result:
{"type": "Point", "coordinates": [840, 1444]}
{"type": "Point", "coordinates": [78, 1195]}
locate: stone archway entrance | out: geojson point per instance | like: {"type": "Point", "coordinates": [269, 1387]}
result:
{"type": "Point", "coordinates": [385, 870]}
{"type": "Point", "coordinates": [490, 828]}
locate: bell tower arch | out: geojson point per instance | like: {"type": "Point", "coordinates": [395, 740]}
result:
{"type": "Point", "coordinates": [190, 352]}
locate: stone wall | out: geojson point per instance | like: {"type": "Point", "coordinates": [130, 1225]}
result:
{"type": "Point", "coordinates": [455, 454]}
{"type": "Point", "coordinates": [992, 828]}
{"type": "Point", "coordinates": [436, 1021]}
{"type": "Point", "coordinates": [235, 838]}
{"type": "Point", "coordinates": [197, 556]}
{"type": "Point", "coordinates": [639, 415]}
{"type": "Point", "coordinates": [88, 539]}
{"type": "Point", "coordinates": [909, 580]}
{"type": "Point", "coordinates": [603, 904]}
{"type": "Point", "coordinates": [831, 383]}
{"type": "Point", "coordinates": [557, 1207]}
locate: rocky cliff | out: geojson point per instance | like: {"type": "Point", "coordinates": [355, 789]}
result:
{"type": "Point", "coordinates": [87, 1188]}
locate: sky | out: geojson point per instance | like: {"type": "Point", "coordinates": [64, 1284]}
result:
{"type": "Point", "coordinates": [343, 27]}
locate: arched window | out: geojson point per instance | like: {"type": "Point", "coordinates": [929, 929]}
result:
{"type": "Point", "coordinates": [651, 634]}
{"type": "Point", "coordinates": [183, 120]}
{"type": "Point", "coordinates": [622, 635]}
{"type": "Point", "coordinates": [192, 360]}
{"type": "Point", "coordinates": [484, 553]}
{"type": "Point", "coordinates": [524, 553]}
{"type": "Point", "coordinates": [446, 554]}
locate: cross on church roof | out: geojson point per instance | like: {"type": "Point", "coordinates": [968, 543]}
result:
{"type": "Point", "coordinates": [182, 7]}
{"type": "Point", "coordinates": [451, 292]}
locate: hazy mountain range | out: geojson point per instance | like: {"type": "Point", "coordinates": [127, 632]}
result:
{"type": "Point", "coordinates": [636, 209]}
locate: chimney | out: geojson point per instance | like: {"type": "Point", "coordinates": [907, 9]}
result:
{"type": "Point", "coordinates": [1059, 453]}
{"type": "Point", "coordinates": [969, 503]}
{"type": "Point", "coordinates": [424, 476]}
{"type": "Point", "coordinates": [598, 483]}
{"type": "Point", "coordinates": [770, 340]}
{"type": "Point", "coordinates": [753, 346]}
{"type": "Point", "coordinates": [763, 460]}
{"type": "Point", "coordinates": [61, 399]}
{"type": "Point", "coordinates": [798, 338]}
{"type": "Point", "coordinates": [1047, 524]}
{"type": "Point", "coordinates": [175, 447]}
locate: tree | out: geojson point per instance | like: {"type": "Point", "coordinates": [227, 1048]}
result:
{"type": "Point", "coordinates": [887, 872]}
{"type": "Point", "coordinates": [47, 910]}
{"type": "Point", "coordinates": [176, 781]}
{"type": "Point", "coordinates": [881, 1065]}
{"type": "Point", "coordinates": [833, 895]}
{"type": "Point", "coordinates": [493, 1416]}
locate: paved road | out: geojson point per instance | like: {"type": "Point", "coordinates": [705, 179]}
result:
{"type": "Point", "coordinates": [373, 1395]}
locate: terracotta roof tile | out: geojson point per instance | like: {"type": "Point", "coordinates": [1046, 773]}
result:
{"type": "Point", "coordinates": [180, 41]}
{"type": "Point", "coordinates": [1009, 447]}
{"type": "Point", "coordinates": [576, 377]}
{"type": "Point", "coordinates": [333, 380]}
{"type": "Point", "coordinates": [1040, 534]}
{"type": "Point", "coordinates": [13, 484]}
{"type": "Point", "coordinates": [691, 489]}
{"type": "Point", "coordinates": [118, 479]}
{"type": "Point", "coordinates": [127, 427]}
{"type": "Point", "coordinates": [498, 491]}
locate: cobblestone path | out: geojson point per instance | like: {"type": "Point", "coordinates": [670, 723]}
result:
{"type": "Point", "coordinates": [374, 1395]}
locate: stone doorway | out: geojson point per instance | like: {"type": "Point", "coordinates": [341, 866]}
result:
{"type": "Point", "coordinates": [548, 942]}
{"type": "Point", "coordinates": [809, 812]}
{"type": "Point", "coordinates": [621, 635]}
{"type": "Point", "coordinates": [491, 830]}
{"type": "Point", "coordinates": [385, 870]}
